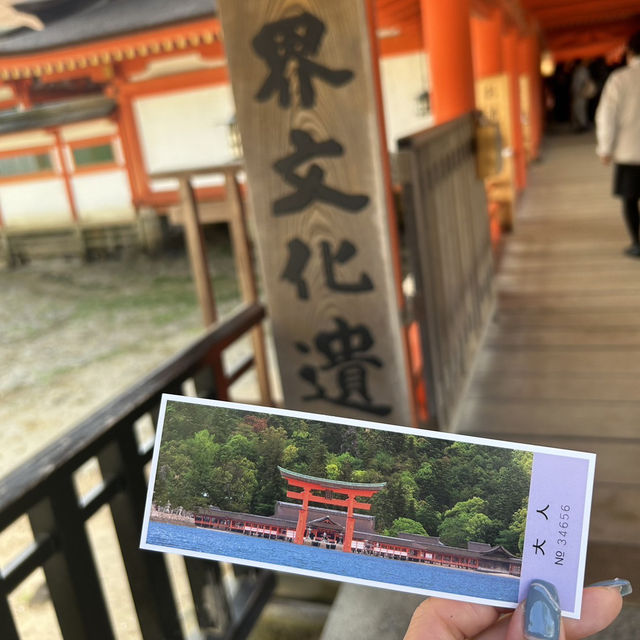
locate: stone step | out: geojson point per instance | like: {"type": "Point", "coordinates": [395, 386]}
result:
{"type": "Point", "coordinates": [297, 610]}
{"type": "Point", "coordinates": [290, 619]}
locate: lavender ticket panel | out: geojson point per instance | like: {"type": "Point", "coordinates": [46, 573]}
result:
{"type": "Point", "coordinates": [557, 526]}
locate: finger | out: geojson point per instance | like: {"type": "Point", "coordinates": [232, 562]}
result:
{"type": "Point", "coordinates": [539, 616]}
{"type": "Point", "coordinates": [600, 607]}
{"type": "Point", "coordinates": [438, 619]}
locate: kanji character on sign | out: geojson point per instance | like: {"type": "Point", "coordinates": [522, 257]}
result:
{"type": "Point", "coordinates": [299, 256]}
{"type": "Point", "coordinates": [286, 46]}
{"type": "Point", "coordinates": [310, 187]}
{"type": "Point", "coordinates": [345, 350]}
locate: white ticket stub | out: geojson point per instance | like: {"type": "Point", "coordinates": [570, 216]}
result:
{"type": "Point", "coordinates": [393, 507]}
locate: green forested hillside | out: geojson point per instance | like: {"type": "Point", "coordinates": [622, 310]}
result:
{"type": "Point", "coordinates": [229, 459]}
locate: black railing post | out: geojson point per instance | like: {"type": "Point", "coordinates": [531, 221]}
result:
{"type": "Point", "coordinates": [210, 600]}
{"type": "Point", "coordinates": [7, 624]}
{"type": "Point", "coordinates": [71, 573]}
{"type": "Point", "coordinates": [147, 572]}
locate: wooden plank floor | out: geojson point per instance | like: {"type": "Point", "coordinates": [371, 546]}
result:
{"type": "Point", "coordinates": [560, 364]}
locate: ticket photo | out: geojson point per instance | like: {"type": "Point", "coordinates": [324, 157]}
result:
{"type": "Point", "coordinates": [394, 507]}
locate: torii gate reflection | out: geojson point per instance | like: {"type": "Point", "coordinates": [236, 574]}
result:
{"type": "Point", "coordinates": [352, 490]}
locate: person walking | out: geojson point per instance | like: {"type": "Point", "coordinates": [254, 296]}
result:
{"type": "Point", "coordinates": [582, 89]}
{"type": "Point", "coordinates": [618, 134]}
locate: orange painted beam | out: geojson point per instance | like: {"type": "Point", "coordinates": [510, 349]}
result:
{"type": "Point", "coordinates": [26, 151]}
{"type": "Point", "coordinates": [176, 82]}
{"type": "Point", "coordinates": [603, 48]}
{"type": "Point", "coordinates": [30, 177]}
{"type": "Point", "coordinates": [587, 10]}
{"type": "Point", "coordinates": [91, 142]}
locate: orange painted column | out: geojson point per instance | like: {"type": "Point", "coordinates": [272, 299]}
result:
{"type": "Point", "coordinates": [486, 45]}
{"type": "Point", "coordinates": [512, 68]}
{"type": "Point", "coordinates": [303, 514]}
{"type": "Point", "coordinates": [348, 534]}
{"type": "Point", "coordinates": [446, 29]}
{"type": "Point", "coordinates": [529, 57]}
{"type": "Point", "coordinates": [66, 177]}
{"type": "Point", "coordinates": [131, 146]}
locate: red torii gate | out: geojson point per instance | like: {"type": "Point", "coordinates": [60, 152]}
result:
{"type": "Point", "coordinates": [352, 490]}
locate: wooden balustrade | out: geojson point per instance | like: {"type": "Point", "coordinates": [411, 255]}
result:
{"type": "Point", "coordinates": [43, 490]}
{"type": "Point", "coordinates": [447, 234]}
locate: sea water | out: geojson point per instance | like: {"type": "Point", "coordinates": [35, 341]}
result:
{"type": "Point", "coordinates": [286, 554]}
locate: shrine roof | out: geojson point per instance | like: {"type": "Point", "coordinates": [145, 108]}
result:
{"type": "Point", "coordinates": [103, 19]}
{"type": "Point", "coordinates": [290, 510]}
{"type": "Point", "coordinates": [423, 543]}
{"type": "Point", "coordinates": [56, 113]}
{"type": "Point", "coordinates": [332, 484]}
{"type": "Point", "coordinates": [248, 517]}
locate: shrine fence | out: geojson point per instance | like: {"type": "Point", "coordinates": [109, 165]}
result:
{"type": "Point", "coordinates": [448, 238]}
{"type": "Point", "coordinates": [227, 600]}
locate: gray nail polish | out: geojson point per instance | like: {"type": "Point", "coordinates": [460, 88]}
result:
{"type": "Point", "coordinates": [617, 583]}
{"type": "Point", "coordinates": [542, 612]}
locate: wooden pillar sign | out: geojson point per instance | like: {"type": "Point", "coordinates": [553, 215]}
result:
{"type": "Point", "coordinates": [308, 112]}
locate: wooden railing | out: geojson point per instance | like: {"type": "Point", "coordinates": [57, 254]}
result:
{"type": "Point", "coordinates": [447, 234]}
{"type": "Point", "coordinates": [43, 490]}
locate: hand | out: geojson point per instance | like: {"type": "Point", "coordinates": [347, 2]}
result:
{"type": "Point", "coordinates": [606, 160]}
{"type": "Point", "coordinates": [438, 619]}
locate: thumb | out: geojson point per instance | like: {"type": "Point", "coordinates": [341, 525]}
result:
{"type": "Point", "coordinates": [437, 619]}
{"type": "Point", "coordinates": [539, 617]}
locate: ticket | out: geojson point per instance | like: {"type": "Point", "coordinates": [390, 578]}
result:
{"type": "Point", "coordinates": [399, 508]}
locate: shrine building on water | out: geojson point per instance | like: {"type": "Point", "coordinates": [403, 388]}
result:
{"type": "Point", "coordinates": [349, 531]}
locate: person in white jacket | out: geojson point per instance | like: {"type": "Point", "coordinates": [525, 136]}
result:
{"type": "Point", "coordinates": [618, 133]}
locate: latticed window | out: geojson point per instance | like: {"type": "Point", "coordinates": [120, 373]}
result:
{"type": "Point", "coordinates": [89, 156]}
{"type": "Point", "coordinates": [25, 164]}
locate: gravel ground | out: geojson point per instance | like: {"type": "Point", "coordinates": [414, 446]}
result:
{"type": "Point", "coordinates": [73, 336]}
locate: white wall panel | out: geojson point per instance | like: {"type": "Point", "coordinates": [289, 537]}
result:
{"type": "Point", "coordinates": [25, 140]}
{"type": "Point", "coordinates": [185, 129]}
{"type": "Point", "coordinates": [404, 78]}
{"type": "Point", "coordinates": [89, 129]}
{"type": "Point", "coordinates": [35, 203]}
{"type": "Point", "coordinates": [103, 196]}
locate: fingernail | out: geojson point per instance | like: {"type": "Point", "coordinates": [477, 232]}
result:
{"type": "Point", "coordinates": [542, 612]}
{"type": "Point", "coordinates": [617, 583]}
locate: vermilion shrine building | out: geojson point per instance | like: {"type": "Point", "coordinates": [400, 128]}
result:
{"type": "Point", "coordinates": [110, 93]}
{"type": "Point", "coordinates": [349, 531]}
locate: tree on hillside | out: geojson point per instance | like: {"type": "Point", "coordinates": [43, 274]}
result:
{"type": "Point", "coordinates": [405, 525]}
{"type": "Point", "coordinates": [269, 456]}
{"type": "Point", "coordinates": [394, 501]}
{"type": "Point", "coordinates": [466, 522]}
{"type": "Point", "coordinates": [513, 537]}
{"type": "Point", "coordinates": [427, 514]}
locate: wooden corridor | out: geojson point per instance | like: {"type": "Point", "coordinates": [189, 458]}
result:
{"type": "Point", "coordinates": [560, 364]}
